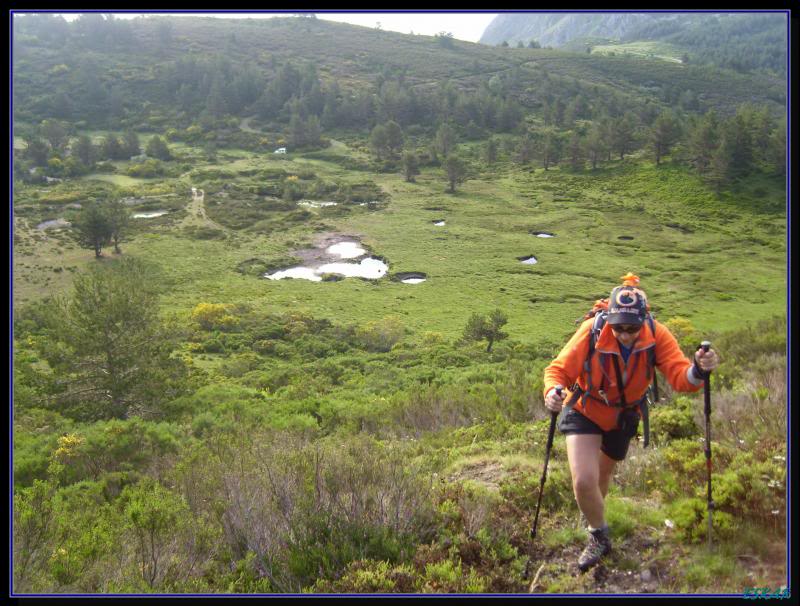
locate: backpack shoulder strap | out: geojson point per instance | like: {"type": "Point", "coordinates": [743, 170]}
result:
{"type": "Point", "coordinates": [594, 332]}
{"type": "Point", "coordinates": [651, 357]}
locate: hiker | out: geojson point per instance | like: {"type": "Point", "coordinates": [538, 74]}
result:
{"type": "Point", "coordinates": [598, 418]}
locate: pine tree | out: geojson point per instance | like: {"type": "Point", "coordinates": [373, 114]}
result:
{"type": "Point", "coordinates": [410, 166]}
{"type": "Point", "coordinates": [38, 151]}
{"type": "Point", "coordinates": [83, 150]}
{"type": "Point", "coordinates": [576, 151]}
{"type": "Point", "coordinates": [111, 349]}
{"type": "Point", "coordinates": [490, 151]}
{"type": "Point", "coordinates": [703, 142]}
{"type": "Point", "coordinates": [394, 138]}
{"type": "Point", "coordinates": [524, 149]}
{"type": "Point", "coordinates": [480, 327]}
{"type": "Point", "coordinates": [623, 134]}
{"type": "Point", "coordinates": [741, 143]}
{"type": "Point", "coordinates": [112, 148]}
{"type": "Point", "coordinates": [663, 134]}
{"type": "Point", "coordinates": [130, 143]}
{"type": "Point", "coordinates": [446, 139]}
{"type": "Point", "coordinates": [720, 170]}
{"type": "Point", "coordinates": [595, 145]}
{"type": "Point", "coordinates": [118, 217]}
{"type": "Point", "coordinates": [775, 154]}
{"type": "Point", "coordinates": [549, 148]}
{"type": "Point", "coordinates": [157, 148]}
{"type": "Point", "coordinates": [379, 141]}
{"type": "Point", "coordinates": [55, 132]}
{"type": "Point", "coordinates": [217, 102]}
{"type": "Point", "coordinates": [92, 228]}
{"type": "Point", "coordinates": [456, 171]}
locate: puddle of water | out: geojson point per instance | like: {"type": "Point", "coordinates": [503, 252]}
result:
{"type": "Point", "coordinates": [346, 250]}
{"type": "Point", "coordinates": [528, 260]}
{"type": "Point", "coordinates": [438, 223]}
{"type": "Point", "coordinates": [312, 204]}
{"type": "Point", "coordinates": [543, 234]}
{"type": "Point", "coordinates": [369, 268]}
{"type": "Point", "coordinates": [303, 273]}
{"type": "Point", "coordinates": [53, 224]}
{"type": "Point", "coordinates": [150, 215]}
{"type": "Point", "coordinates": [318, 264]}
{"type": "Point", "coordinates": [411, 277]}
{"type": "Point", "coordinates": [625, 238]}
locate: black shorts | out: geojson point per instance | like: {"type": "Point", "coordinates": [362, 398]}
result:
{"type": "Point", "coordinates": [615, 442]}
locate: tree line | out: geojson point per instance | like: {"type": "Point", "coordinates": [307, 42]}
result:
{"type": "Point", "coordinates": [719, 149]}
{"type": "Point", "coordinates": [54, 147]}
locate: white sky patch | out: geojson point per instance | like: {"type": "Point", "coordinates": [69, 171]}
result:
{"type": "Point", "coordinates": [464, 25]}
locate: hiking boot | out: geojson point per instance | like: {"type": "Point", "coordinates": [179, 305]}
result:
{"type": "Point", "coordinates": [599, 545]}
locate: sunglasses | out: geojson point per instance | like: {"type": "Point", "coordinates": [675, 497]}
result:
{"type": "Point", "coordinates": [628, 328]}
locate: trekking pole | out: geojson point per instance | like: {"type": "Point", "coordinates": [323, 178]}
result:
{"type": "Point", "coordinates": [551, 432]}
{"type": "Point", "coordinates": [705, 346]}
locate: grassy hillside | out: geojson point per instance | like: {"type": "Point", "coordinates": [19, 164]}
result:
{"type": "Point", "coordinates": [354, 57]}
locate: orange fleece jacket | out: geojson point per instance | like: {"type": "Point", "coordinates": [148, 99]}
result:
{"type": "Point", "coordinates": [568, 368]}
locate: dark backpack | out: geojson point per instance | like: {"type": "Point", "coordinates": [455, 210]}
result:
{"type": "Point", "coordinates": [600, 313]}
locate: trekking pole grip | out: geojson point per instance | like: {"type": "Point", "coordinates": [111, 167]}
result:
{"type": "Point", "coordinates": [705, 346]}
{"type": "Point", "coordinates": [553, 416]}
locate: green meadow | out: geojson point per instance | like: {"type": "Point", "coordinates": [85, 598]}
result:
{"type": "Point", "coordinates": [652, 50]}
{"type": "Point", "coordinates": [711, 259]}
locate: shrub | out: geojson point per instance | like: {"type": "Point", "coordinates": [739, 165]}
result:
{"type": "Point", "coordinates": [380, 335]}
{"type": "Point", "coordinates": [370, 576]}
{"type": "Point", "coordinates": [673, 420]}
{"type": "Point", "coordinates": [116, 445]}
{"type": "Point", "coordinates": [691, 520]}
{"type": "Point", "coordinates": [310, 508]}
{"type": "Point", "coordinates": [214, 316]}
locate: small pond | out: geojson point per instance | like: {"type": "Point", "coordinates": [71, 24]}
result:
{"type": "Point", "coordinates": [313, 204]}
{"type": "Point", "coordinates": [410, 277]}
{"type": "Point", "coordinates": [370, 268]}
{"type": "Point", "coordinates": [529, 260]}
{"type": "Point", "coordinates": [543, 234]}
{"type": "Point", "coordinates": [53, 224]}
{"type": "Point", "coordinates": [439, 223]}
{"type": "Point", "coordinates": [150, 215]}
{"type": "Point", "coordinates": [346, 250]}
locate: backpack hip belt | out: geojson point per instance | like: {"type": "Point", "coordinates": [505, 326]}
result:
{"type": "Point", "coordinates": [643, 403]}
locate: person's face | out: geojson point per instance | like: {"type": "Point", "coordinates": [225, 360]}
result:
{"type": "Point", "coordinates": [626, 333]}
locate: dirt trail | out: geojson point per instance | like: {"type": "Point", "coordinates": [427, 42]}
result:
{"type": "Point", "coordinates": [245, 126]}
{"type": "Point", "coordinates": [196, 212]}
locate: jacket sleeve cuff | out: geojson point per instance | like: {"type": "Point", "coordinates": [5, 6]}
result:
{"type": "Point", "coordinates": [694, 377]}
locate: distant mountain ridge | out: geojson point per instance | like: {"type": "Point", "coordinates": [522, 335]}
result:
{"type": "Point", "coordinates": [739, 41]}
{"type": "Point", "coordinates": [557, 29]}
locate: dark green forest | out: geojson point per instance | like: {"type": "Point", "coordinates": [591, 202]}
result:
{"type": "Point", "coordinates": [181, 424]}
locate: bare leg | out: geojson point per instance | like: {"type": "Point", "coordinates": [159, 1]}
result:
{"type": "Point", "coordinates": [607, 466]}
{"type": "Point", "coordinates": [583, 452]}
